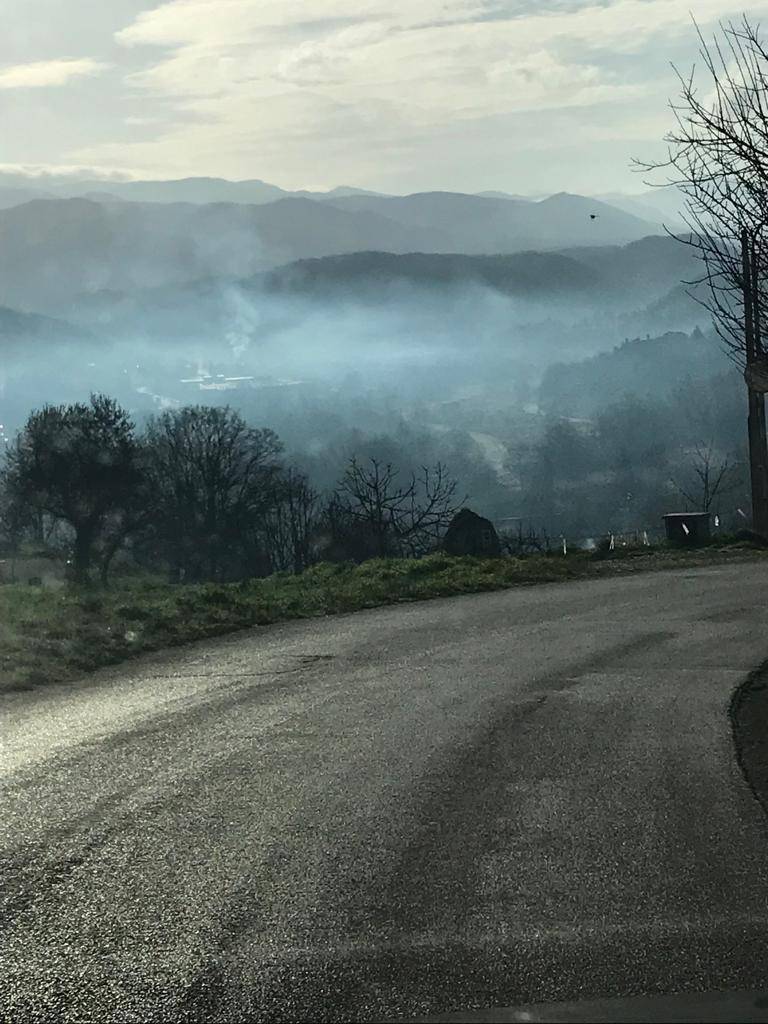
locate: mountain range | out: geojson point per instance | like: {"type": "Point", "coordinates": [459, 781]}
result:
{"type": "Point", "coordinates": [654, 205]}
{"type": "Point", "coordinates": [52, 250]}
{"type": "Point", "coordinates": [16, 188]}
{"type": "Point", "coordinates": [624, 289]}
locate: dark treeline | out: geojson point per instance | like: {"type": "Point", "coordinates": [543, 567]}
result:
{"type": "Point", "coordinates": [609, 445]}
{"type": "Point", "coordinates": [633, 460]}
{"type": "Point", "coordinates": [203, 495]}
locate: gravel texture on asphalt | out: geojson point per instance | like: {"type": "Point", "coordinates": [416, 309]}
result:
{"type": "Point", "coordinates": [521, 797]}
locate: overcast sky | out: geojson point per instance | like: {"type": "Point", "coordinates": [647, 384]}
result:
{"type": "Point", "coordinates": [399, 95]}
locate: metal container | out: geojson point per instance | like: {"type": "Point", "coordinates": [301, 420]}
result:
{"type": "Point", "coordinates": [688, 529]}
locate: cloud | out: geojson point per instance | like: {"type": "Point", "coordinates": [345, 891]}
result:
{"type": "Point", "coordinates": [46, 73]}
{"type": "Point", "coordinates": [39, 172]}
{"type": "Point", "coordinates": [216, 22]}
{"type": "Point", "coordinates": [276, 87]}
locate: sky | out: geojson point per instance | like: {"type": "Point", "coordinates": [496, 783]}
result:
{"type": "Point", "coordinates": [525, 96]}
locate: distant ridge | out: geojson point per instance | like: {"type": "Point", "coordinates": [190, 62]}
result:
{"type": "Point", "coordinates": [52, 248]}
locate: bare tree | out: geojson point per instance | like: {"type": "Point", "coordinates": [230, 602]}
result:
{"type": "Point", "coordinates": [528, 541]}
{"type": "Point", "coordinates": [212, 479]}
{"type": "Point", "coordinates": [717, 156]}
{"type": "Point", "coordinates": [133, 519]}
{"type": "Point", "coordinates": [396, 518]}
{"type": "Point", "coordinates": [709, 478]}
{"type": "Point", "coordinates": [289, 526]}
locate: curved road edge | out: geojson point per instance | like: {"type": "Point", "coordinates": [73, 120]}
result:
{"type": "Point", "coordinates": [748, 712]}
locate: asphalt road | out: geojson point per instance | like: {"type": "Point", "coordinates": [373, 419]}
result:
{"type": "Point", "coordinates": [519, 797]}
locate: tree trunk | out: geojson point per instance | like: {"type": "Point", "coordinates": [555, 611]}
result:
{"type": "Point", "coordinates": [82, 553]}
{"type": "Point", "coordinates": [758, 463]}
{"type": "Point", "coordinates": [38, 527]}
{"type": "Point", "coordinates": [758, 443]}
{"type": "Point", "coordinates": [106, 559]}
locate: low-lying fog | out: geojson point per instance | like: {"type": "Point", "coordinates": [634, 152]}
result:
{"type": "Point", "coordinates": [413, 372]}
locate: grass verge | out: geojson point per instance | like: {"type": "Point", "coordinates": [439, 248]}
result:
{"type": "Point", "coordinates": [49, 635]}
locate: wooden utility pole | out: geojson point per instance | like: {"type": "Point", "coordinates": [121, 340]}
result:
{"type": "Point", "coordinates": [753, 346]}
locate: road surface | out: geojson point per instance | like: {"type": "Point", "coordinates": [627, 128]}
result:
{"type": "Point", "coordinates": [520, 797]}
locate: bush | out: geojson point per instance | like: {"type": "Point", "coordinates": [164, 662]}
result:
{"type": "Point", "coordinates": [429, 565]}
{"type": "Point", "coordinates": [749, 537]}
{"type": "Point", "coordinates": [135, 612]}
{"type": "Point", "coordinates": [216, 594]}
{"type": "Point", "coordinates": [92, 604]}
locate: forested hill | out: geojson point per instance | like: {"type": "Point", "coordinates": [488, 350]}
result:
{"type": "Point", "coordinates": [371, 273]}
{"type": "Point", "coordinates": [19, 331]}
{"type": "Point", "coordinates": [642, 367]}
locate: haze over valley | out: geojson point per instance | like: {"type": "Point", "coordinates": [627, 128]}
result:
{"type": "Point", "coordinates": [339, 319]}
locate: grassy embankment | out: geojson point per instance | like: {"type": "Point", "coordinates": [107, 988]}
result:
{"type": "Point", "coordinates": [49, 635]}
